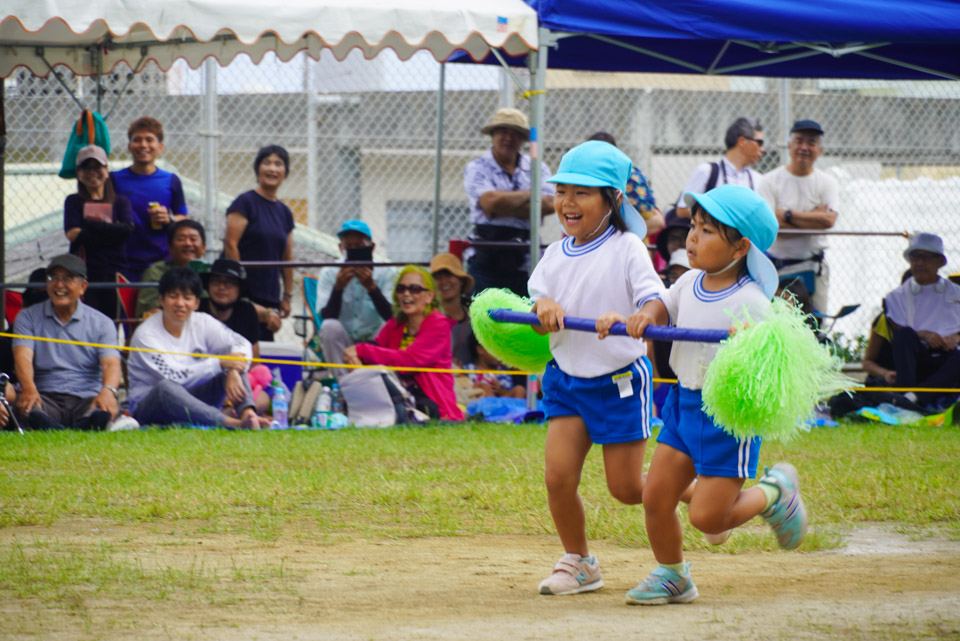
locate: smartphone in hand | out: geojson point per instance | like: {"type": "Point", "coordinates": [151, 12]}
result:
{"type": "Point", "coordinates": [362, 254]}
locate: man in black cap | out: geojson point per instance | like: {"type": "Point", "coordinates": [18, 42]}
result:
{"type": "Point", "coordinates": [803, 197]}
{"type": "Point", "coordinates": [225, 283]}
{"type": "Point", "coordinates": [65, 385]}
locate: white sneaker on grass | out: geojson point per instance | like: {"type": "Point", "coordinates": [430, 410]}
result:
{"type": "Point", "coordinates": [122, 423]}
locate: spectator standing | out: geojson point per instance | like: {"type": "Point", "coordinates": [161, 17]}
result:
{"type": "Point", "coordinates": [498, 187]}
{"type": "Point", "coordinates": [803, 197]}
{"type": "Point", "coordinates": [155, 195]}
{"type": "Point", "coordinates": [351, 300]}
{"type": "Point", "coordinates": [417, 336]}
{"type": "Point", "coordinates": [98, 222]}
{"type": "Point", "coordinates": [924, 316]}
{"type": "Point", "coordinates": [744, 142]}
{"type": "Point", "coordinates": [188, 241]}
{"type": "Point", "coordinates": [66, 385]}
{"type": "Point", "coordinates": [260, 227]}
{"type": "Point", "coordinates": [453, 288]}
{"type": "Point", "coordinates": [175, 388]}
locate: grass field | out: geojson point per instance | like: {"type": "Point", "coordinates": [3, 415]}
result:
{"type": "Point", "coordinates": [270, 490]}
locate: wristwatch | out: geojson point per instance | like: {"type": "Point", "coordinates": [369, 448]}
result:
{"type": "Point", "coordinates": [116, 392]}
{"type": "Point", "coordinates": [788, 217]}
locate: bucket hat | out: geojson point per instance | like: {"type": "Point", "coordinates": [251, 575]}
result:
{"type": "Point", "coordinates": [925, 242]}
{"type": "Point", "coordinates": [508, 118]}
{"type": "Point", "coordinates": [226, 267]}
{"type": "Point", "coordinates": [748, 213]}
{"type": "Point", "coordinates": [600, 164]}
{"type": "Point", "coordinates": [453, 265]}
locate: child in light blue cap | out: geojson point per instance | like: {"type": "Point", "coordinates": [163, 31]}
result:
{"type": "Point", "coordinates": [731, 227]}
{"type": "Point", "coordinates": [595, 391]}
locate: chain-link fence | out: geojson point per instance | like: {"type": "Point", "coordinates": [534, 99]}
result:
{"type": "Point", "coordinates": [362, 136]}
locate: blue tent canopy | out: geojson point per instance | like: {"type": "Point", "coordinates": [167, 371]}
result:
{"type": "Point", "coordinates": [904, 39]}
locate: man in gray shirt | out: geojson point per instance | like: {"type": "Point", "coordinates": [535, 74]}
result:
{"type": "Point", "coordinates": [66, 385]}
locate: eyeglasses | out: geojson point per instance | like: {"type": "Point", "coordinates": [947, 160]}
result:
{"type": "Point", "coordinates": [759, 141]}
{"type": "Point", "coordinates": [66, 279]}
{"type": "Point", "coordinates": [413, 289]}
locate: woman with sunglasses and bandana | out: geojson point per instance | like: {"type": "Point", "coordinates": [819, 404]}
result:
{"type": "Point", "coordinates": [418, 335]}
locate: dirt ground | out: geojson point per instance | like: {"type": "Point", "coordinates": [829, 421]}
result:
{"type": "Point", "coordinates": [881, 586]}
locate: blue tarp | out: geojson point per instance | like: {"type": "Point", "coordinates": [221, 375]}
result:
{"type": "Point", "coordinates": [787, 38]}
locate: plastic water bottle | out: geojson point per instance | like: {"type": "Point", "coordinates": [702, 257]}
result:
{"type": "Point", "coordinates": [337, 405]}
{"type": "Point", "coordinates": [321, 411]}
{"type": "Point", "coordinates": [281, 402]}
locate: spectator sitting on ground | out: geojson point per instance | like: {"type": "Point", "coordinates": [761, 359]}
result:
{"type": "Point", "coordinates": [924, 315]}
{"type": "Point", "coordinates": [744, 142]}
{"type": "Point", "coordinates": [351, 300]}
{"type": "Point", "coordinates": [225, 283]}
{"type": "Point", "coordinates": [498, 187]}
{"type": "Point", "coordinates": [500, 385]}
{"type": "Point", "coordinates": [453, 288]}
{"type": "Point", "coordinates": [188, 241]}
{"type": "Point", "coordinates": [155, 195]}
{"type": "Point", "coordinates": [98, 222]}
{"type": "Point", "coordinates": [66, 385]}
{"type": "Point", "coordinates": [417, 336]}
{"type": "Point", "coordinates": [174, 388]}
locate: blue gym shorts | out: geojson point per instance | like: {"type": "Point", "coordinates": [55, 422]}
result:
{"type": "Point", "coordinates": [687, 428]}
{"type": "Point", "coordinates": [608, 417]}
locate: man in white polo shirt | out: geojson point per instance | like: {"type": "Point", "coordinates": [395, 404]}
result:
{"type": "Point", "coordinates": [803, 197]}
{"type": "Point", "coordinates": [924, 314]}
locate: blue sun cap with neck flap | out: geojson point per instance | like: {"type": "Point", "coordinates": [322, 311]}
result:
{"type": "Point", "coordinates": [599, 164]}
{"type": "Point", "coordinates": [744, 210]}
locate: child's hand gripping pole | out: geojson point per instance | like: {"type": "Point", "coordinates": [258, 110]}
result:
{"type": "Point", "coordinates": [654, 332]}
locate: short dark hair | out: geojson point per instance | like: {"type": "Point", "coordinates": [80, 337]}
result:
{"type": "Point", "coordinates": [146, 123]}
{"type": "Point", "coordinates": [268, 150]}
{"type": "Point", "coordinates": [603, 136]}
{"type": "Point", "coordinates": [186, 222]}
{"type": "Point", "coordinates": [728, 233]}
{"type": "Point", "coordinates": [180, 279]}
{"type": "Point", "coordinates": [742, 126]}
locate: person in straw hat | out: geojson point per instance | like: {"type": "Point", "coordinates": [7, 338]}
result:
{"type": "Point", "coordinates": [498, 186]}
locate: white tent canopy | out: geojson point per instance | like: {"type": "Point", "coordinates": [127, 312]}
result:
{"type": "Point", "coordinates": [92, 36]}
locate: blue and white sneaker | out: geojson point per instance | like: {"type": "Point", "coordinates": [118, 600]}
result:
{"type": "Point", "coordinates": [663, 585]}
{"type": "Point", "coordinates": [572, 575]}
{"type": "Point", "coordinates": [788, 516]}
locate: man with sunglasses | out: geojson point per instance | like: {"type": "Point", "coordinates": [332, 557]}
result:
{"type": "Point", "coordinates": [803, 197]}
{"type": "Point", "coordinates": [66, 385]}
{"type": "Point", "coordinates": [744, 142]}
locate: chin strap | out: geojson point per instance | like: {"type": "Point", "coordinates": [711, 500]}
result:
{"type": "Point", "coordinates": [735, 261]}
{"type": "Point", "coordinates": [599, 225]}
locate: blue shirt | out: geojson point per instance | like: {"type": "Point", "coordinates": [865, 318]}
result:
{"type": "Point", "coordinates": [484, 174]}
{"type": "Point", "coordinates": [147, 245]}
{"type": "Point", "coordinates": [269, 222]}
{"type": "Point", "coordinates": [66, 369]}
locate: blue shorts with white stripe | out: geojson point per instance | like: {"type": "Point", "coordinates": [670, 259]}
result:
{"type": "Point", "coordinates": [687, 428]}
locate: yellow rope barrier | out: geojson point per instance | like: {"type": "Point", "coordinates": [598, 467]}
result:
{"type": "Point", "coordinates": [396, 368]}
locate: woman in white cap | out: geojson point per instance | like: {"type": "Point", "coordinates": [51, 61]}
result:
{"type": "Point", "coordinates": [97, 221]}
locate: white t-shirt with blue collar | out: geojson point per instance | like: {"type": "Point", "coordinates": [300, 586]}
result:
{"type": "Point", "coordinates": [612, 273]}
{"type": "Point", "coordinates": [690, 305]}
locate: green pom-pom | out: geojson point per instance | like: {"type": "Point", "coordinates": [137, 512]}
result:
{"type": "Point", "coordinates": [514, 344]}
{"type": "Point", "coordinates": [767, 379]}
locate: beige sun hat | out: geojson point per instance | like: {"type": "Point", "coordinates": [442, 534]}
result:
{"type": "Point", "coordinates": [508, 118]}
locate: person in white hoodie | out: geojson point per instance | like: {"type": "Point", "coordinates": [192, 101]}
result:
{"type": "Point", "coordinates": [171, 387]}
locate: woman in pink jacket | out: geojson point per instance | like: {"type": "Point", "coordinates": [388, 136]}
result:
{"type": "Point", "coordinates": [418, 335]}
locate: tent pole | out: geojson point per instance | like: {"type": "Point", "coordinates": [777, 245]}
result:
{"type": "Point", "coordinates": [438, 160]}
{"type": "Point", "coordinates": [537, 63]}
{"type": "Point", "coordinates": [209, 133]}
{"type": "Point", "coordinates": [312, 169]}
{"type": "Point", "coordinates": [784, 120]}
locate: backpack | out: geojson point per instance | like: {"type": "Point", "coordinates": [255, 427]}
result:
{"type": "Point", "coordinates": [90, 129]}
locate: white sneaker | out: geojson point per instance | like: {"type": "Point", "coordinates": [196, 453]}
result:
{"type": "Point", "coordinates": [573, 575]}
{"type": "Point", "coordinates": [122, 423]}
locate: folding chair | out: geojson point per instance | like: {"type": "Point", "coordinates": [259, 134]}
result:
{"type": "Point", "coordinates": [310, 314]}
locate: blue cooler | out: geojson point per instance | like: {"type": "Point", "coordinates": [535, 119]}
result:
{"type": "Point", "coordinates": [291, 374]}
